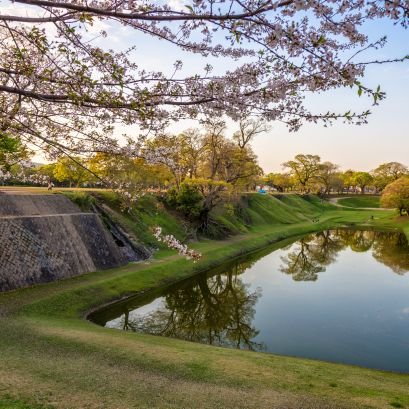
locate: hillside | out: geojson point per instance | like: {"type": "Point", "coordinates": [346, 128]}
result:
{"type": "Point", "coordinates": [243, 215]}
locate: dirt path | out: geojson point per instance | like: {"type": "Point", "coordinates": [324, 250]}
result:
{"type": "Point", "coordinates": [334, 201]}
{"type": "Point", "coordinates": [5, 190]}
{"type": "Point", "coordinates": [44, 215]}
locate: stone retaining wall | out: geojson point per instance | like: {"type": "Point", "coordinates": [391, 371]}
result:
{"type": "Point", "coordinates": [51, 247]}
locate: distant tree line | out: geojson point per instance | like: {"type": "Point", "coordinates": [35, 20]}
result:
{"type": "Point", "coordinates": [308, 174]}
{"type": "Point", "coordinates": [198, 169]}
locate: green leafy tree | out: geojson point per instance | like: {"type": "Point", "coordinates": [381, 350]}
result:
{"type": "Point", "coordinates": [212, 165]}
{"type": "Point", "coordinates": [328, 176]}
{"type": "Point", "coordinates": [193, 150]}
{"type": "Point", "coordinates": [304, 168]}
{"type": "Point", "coordinates": [387, 173]}
{"type": "Point", "coordinates": [396, 195]}
{"type": "Point", "coordinates": [129, 171]}
{"type": "Point", "coordinates": [12, 152]}
{"type": "Point", "coordinates": [47, 171]}
{"type": "Point", "coordinates": [187, 199]}
{"type": "Point", "coordinates": [362, 180]}
{"type": "Point", "coordinates": [196, 198]}
{"type": "Point", "coordinates": [279, 181]}
{"type": "Point", "coordinates": [348, 180]}
{"type": "Point", "coordinates": [337, 183]}
{"type": "Point", "coordinates": [72, 172]}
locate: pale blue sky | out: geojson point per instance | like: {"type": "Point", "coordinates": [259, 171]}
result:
{"type": "Point", "coordinates": [385, 138]}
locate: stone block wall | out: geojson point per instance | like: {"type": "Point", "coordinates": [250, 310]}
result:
{"type": "Point", "coordinates": [37, 249]}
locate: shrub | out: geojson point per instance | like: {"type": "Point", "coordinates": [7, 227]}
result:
{"type": "Point", "coordinates": [82, 199]}
{"type": "Point", "coordinates": [396, 195]}
{"type": "Point", "coordinates": [187, 200]}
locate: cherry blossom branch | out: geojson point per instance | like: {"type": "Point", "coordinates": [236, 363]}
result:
{"type": "Point", "coordinates": [173, 243]}
{"type": "Point", "coordinates": [20, 19]}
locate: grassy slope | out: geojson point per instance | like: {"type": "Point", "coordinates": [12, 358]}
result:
{"type": "Point", "coordinates": [51, 357]}
{"type": "Point", "coordinates": [360, 201]}
{"type": "Point", "coordinates": [146, 213]}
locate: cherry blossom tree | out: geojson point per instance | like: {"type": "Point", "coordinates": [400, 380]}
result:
{"type": "Point", "coordinates": [64, 92]}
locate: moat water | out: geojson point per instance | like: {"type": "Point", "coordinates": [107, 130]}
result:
{"type": "Point", "coordinates": [338, 295]}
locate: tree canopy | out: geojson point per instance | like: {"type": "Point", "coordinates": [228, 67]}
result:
{"type": "Point", "coordinates": [304, 168]}
{"type": "Point", "coordinates": [396, 195]}
{"type": "Point", "coordinates": [387, 173]}
{"type": "Point", "coordinates": [74, 172]}
{"type": "Point", "coordinates": [12, 152]}
{"type": "Point", "coordinates": [362, 179]}
{"type": "Point", "coordinates": [207, 167]}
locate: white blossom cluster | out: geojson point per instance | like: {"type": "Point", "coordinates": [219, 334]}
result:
{"type": "Point", "coordinates": [173, 243]}
{"type": "Point", "coordinates": [128, 191]}
{"type": "Point", "coordinates": [21, 177]}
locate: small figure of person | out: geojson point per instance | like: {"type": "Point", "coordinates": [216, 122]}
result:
{"type": "Point", "coordinates": [50, 185]}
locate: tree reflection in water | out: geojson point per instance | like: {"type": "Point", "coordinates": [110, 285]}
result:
{"type": "Point", "coordinates": [219, 309]}
{"type": "Point", "coordinates": [312, 254]}
{"type": "Point", "coordinates": [216, 310]}
{"type": "Point", "coordinates": [392, 250]}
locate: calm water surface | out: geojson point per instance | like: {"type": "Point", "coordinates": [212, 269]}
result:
{"type": "Point", "coordinates": [340, 296]}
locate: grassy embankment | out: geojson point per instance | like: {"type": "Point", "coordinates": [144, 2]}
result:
{"type": "Point", "coordinates": [51, 357]}
{"type": "Point", "coordinates": [360, 201]}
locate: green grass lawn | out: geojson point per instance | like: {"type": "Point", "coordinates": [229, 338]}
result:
{"type": "Point", "coordinates": [361, 201]}
{"type": "Point", "coordinates": [51, 357]}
